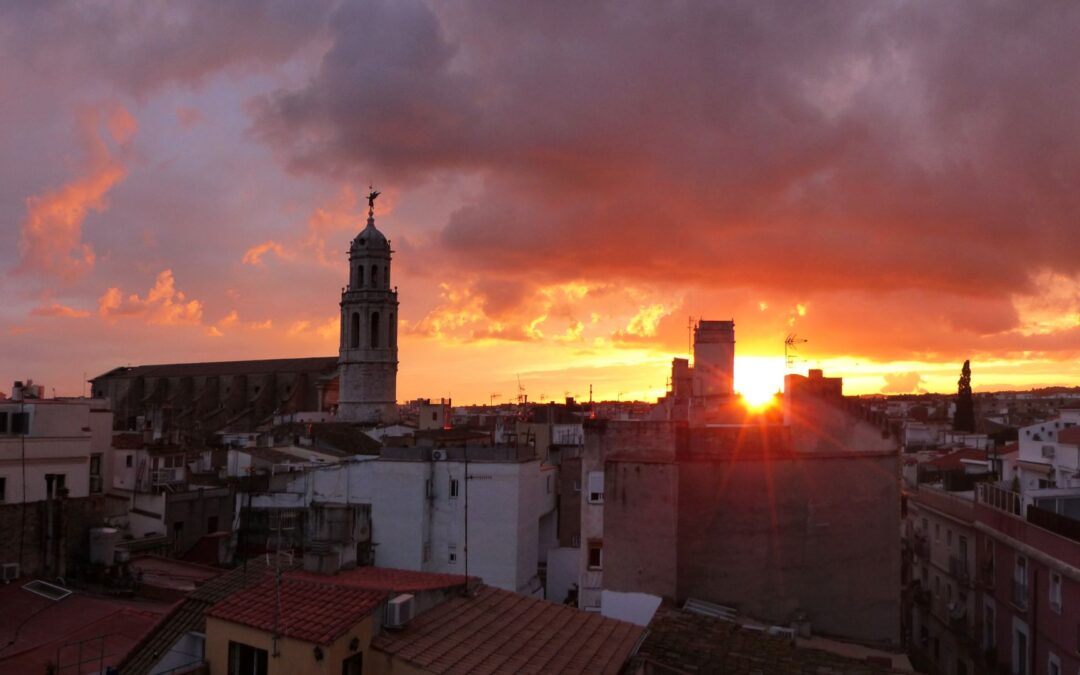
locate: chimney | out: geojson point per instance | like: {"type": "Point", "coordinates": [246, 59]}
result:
{"type": "Point", "coordinates": [17, 391]}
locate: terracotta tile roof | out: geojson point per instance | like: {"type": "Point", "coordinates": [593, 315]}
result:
{"type": "Point", "coordinates": [310, 611]}
{"type": "Point", "coordinates": [385, 579]}
{"type": "Point", "coordinates": [682, 642]}
{"type": "Point", "coordinates": [497, 632]}
{"type": "Point", "coordinates": [190, 615]}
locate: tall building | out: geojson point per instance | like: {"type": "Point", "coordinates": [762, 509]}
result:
{"type": "Point", "coordinates": [367, 358]}
{"type": "Point", "coordinates": [714, 358]}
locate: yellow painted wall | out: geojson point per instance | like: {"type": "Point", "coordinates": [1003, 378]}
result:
{"type": "Point", "coordinates": [295, 657]}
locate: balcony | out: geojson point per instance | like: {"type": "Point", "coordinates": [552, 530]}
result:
{"type": "Point", "coordinates": [985, 578]}
{"type": "Point", "coordinates": [920, 546]}
{"type": "Point", "coordinates": [958, 569]}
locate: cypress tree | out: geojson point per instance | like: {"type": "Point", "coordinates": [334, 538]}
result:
{"type": "Point", "coordinates": [964, 419]}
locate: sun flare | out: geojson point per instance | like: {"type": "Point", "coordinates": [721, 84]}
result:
{"type": "Point", "coordinates": [758, 379]}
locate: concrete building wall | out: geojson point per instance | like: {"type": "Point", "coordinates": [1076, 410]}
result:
{"type": "Point", "coordinates": [23, 531]}
{"type": "Point", "coordinates": [190, 516]}
{"type": "Point", "coordinates": [641, 527]}
{"type": "Point", "coordinates": [294, 656]}
{"type": "Point", "coordinates": [789, 535]}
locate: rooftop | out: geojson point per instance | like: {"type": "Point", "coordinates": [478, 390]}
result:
{"type": "Point", "coordinates": [310, 611]}
{"type": "Point", "coordinates": [224, 367]}
{"type": "Point", "coordinates": [496, 632]}
{"type": "Point", "coordinates": [384, 579]}
{"type": "Point", "coordinates": [683, 642]}
{"type": "Point", "coordinates": [35, 630]}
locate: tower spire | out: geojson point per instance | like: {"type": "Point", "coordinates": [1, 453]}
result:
{"type": "Point", "coordinates": [372, 195]}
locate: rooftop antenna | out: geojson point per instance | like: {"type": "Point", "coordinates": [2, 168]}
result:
{"type": "Point", "coordinates": [521, 391]}
{"type": "Point", "coordinates": [492, 397]}
{"type": "Point", "coordinates": [791, 349]}
{"type": "Point", "coordinates": [689, 335]}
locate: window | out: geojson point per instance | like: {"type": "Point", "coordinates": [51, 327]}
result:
{"type": "Point", "coordinates": [575, 540]}
{"type": "Point", "coordinates": [57, 480]}
{"type": "Point", "coordinates": [129, 460]}
{"type": "Point", "coordinates": [1020, 582]}
{"type": "Point", "coordinates": [948, 537]}
{"type": "Point", "coordinates": [354, 665]}
{"type": "Point", "coordinates": [211, 524]}
{"type": "Point", "coordinates": [246, 660]}
{"type": "Point", "coordinates": [549, 484]}
{"type": "Point", "coordinates": [1053, 664]}
{"type": "Point", "coordinates": [453, 488]}
{"type": "Point", "coordinates": [386, 276]}
{"type": "Point", "coordinates": [596, 555]}
{"type": "Point", "coordinates": [374, 276]}
{"type": "Point", "coordinates": [3, 422]}
{"type": "Point", "coordinates": [354, 331]}
{"type": "Point", "coordinates": [434, 416]}
{"type": "Point", "coordinates": [95, 474]}
{"type": "Point", "coordinates": [374, 329]}
{"type": "Point", "coordinates": [20, 423]}
{"type": "Point", "coordinates": [596, 487]}
{"type": "Point", "coordinates": [1055, 592]}
{"type": "Point", "coordinates": [577, 485]}
{"type": "Point", "coordinates": [391, 331]}
{"type": "Point", "coordinates": [989, 627]}
{"type": "Point", "coordinates": [451, 555]}
{"type": "Point", "coordinates": [3, 489]}
{"type": "Point", "coordinates": [925, 526]}
{"type": "Point", "coordinates": [359, 276]}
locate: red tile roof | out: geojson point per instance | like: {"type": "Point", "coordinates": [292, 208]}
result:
{"type": "Point", "coordinates": [497, 632]}
{"type": "Point", "coordinates": [385, 579]}
{"type": "Point", "coordinates": [310, 611]}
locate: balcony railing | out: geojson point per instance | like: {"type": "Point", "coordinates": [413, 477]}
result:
{"type": "Point", "coordinates": [958, 569]}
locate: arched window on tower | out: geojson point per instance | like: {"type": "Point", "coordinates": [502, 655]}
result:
{"type": "Point", "coordinates": [359, 276]}
{"type": "Point", "coordinates": [391, 329]}
{"type": "Point", "coordinates": [386, 274]}
{"type": "Point", "coordinates": [354, 331]}
{"type": "Point", "coordinates": [374, 276]}
{"type": "Point", "coordinates": [374, 329]}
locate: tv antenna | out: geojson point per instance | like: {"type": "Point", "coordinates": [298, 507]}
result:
{"type": "Point", "coordinates": [791, 343]}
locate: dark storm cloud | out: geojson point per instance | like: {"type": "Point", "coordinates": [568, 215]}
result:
{"type": "Point", "coordinates": [831, 145]}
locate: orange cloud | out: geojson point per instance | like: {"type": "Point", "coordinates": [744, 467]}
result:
{"type": "Point", "coordinates": [51, 241]}
{"type": "Point", "coordinates": [56, 309]}
{"type": "Point", "coordinates": [163, 304]}
{"type": "Point", "coordinates": [253, 256]}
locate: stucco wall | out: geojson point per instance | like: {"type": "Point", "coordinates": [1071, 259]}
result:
{"type": "Point", "coordinates": [641, 527]}
{"type": "Point", "coordinates": [294, 656]}
{"type": "Point", "coordinates": [812, 534]}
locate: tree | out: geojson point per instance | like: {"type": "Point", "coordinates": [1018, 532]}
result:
{"type": "Point", "coordinates": [964, 419]}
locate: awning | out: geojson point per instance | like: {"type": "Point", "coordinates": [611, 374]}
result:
{"type": "Point", "coordinates": [1036, 466]}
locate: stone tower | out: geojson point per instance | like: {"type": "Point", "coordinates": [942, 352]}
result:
{"type": "Point", "coordinates": [367, 361]}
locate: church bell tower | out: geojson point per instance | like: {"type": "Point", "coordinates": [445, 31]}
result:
{"type": "Point", "coordinates": [367, 357]}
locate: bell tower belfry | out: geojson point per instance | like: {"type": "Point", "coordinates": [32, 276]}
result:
{"type": "Point", "coordinates": [367, 357]}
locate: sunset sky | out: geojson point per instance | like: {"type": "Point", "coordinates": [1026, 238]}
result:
{"type": "Point", "coordinates": [897, 182]}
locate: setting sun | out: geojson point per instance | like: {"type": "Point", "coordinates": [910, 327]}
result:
{"type": "Point", "coordinates": [758, 378]}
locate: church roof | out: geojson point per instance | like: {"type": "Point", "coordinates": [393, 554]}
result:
{"type": "Point", "coordinates": [318, 364]}
{"type": "Point", "coordinates": [370, 239]}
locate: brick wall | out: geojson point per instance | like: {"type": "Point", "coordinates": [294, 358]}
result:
{"type": "Point", "coordinates": [79, 515]}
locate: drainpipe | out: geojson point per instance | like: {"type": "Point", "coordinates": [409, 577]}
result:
{"type": "Point", "coordinates": [49, 521]}
{"type": "Point", "coordinates": [61, 540]}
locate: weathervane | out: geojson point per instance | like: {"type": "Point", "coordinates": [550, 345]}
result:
{"type": "Point", "coordinates": [371, 201]}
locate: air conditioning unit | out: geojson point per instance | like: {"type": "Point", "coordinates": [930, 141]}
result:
{"type": "Point", "coordinates": [438, 455]}
{"type": "Point", "coordinates": [399, 611]}
{"type": "Point", "coordinates": [9, 572]}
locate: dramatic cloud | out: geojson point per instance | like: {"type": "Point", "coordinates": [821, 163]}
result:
{"type": "Point", "coordinates": [52, 231]}
{"type": "Point", "coordinates": [903, 383]}
{"type": "Point", "coordinates": [564, 186]}
{"type": "Point", "coordinates": [163, 304]}
{"type": "Point", "coordinates": [876, 147]}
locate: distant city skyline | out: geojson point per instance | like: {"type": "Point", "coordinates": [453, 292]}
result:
{"type": "Point", "coordinates": [563, 191]}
